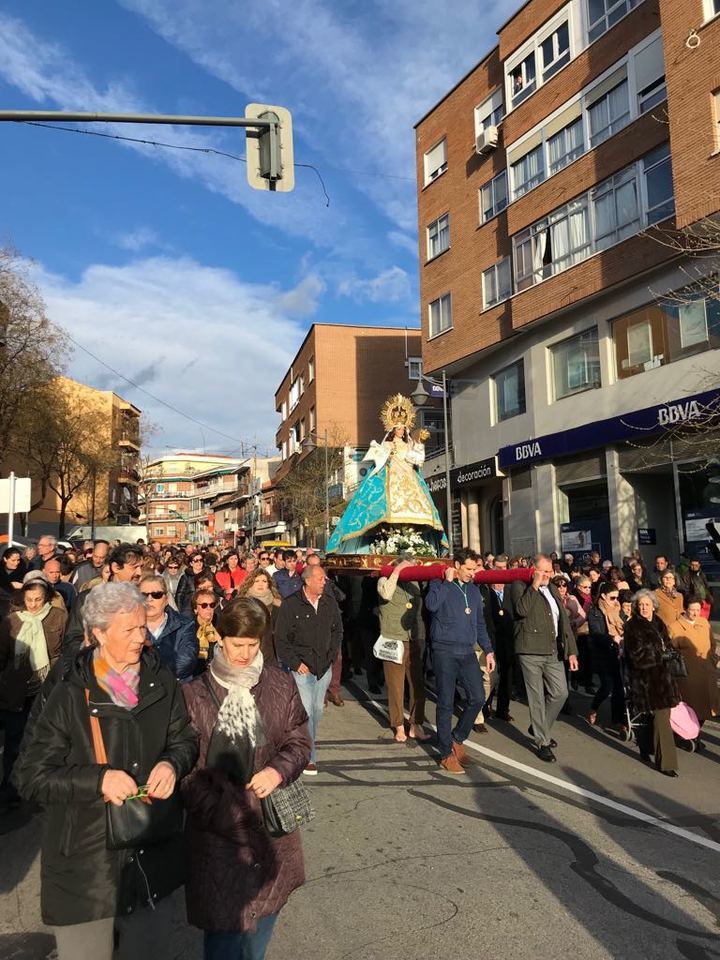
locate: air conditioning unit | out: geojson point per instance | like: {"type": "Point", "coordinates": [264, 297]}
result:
{"type": "Point", "coordinates": [487, 140]}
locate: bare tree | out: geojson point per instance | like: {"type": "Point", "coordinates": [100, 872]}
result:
{"type": "Point", "coordinates": [32, 349]}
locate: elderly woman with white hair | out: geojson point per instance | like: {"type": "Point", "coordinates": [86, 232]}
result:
{"type": "Point", "coordinates": [113, 735]}
{"type": "Point", "coordinates": [654, 689]}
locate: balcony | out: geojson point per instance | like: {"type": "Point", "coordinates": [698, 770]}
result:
{"type": "Point", "coordinates": [128, 441]}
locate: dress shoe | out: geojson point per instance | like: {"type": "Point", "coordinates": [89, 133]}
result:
{"type": "Point", "coordinates": [546, 754]}
{"type": "Point", "coordinates": [461, 754]}
{"type": "Point", "coordinates": [553, 743]}
{"type": "Point", "coordinates": [669, 773]}
{"type": "Point", "coordinates": [480, 728]}
{"type": "Point", "coordinates": [336, 699]}
{"type": "Point", "coordinates": [504, 716]}
{"type": "Point", "coordinates": [451, 764]}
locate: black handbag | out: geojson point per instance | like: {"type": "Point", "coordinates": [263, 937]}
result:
{"type": "Point", "coordinates": [675, 663]}
{"type": "Point", "coordinates": [286, 808]}
{"type": "Point", "coordinates": [139, 821]}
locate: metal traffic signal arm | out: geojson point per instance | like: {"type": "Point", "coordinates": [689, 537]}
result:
{"type": "Point", "coordinates": [270, 164]}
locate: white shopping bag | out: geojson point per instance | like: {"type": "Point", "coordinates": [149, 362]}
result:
{"type": "Point", "coordinates": [387, 649]}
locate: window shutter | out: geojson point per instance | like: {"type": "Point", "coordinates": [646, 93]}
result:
{"type": "Point", "coordinates": [517, 153]}
{"type": "Point", "coordinates": [563, 120]}
{"type": "Point", "coordinates": [605, 85]}
{"type": "Point", "coordinates": [649, 64]}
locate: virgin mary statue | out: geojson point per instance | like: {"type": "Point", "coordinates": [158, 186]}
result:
{"type": "Point", "coordinates": [394, 493]}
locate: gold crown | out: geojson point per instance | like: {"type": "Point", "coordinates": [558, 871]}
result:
{"type": "Point", "coordinates": [397, 411]}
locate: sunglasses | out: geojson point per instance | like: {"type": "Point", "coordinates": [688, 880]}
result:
{"type": "Point", "coordinates": [614, 599]}
{"type": "Point", "coordinates": [155, 594]}
{"type": "Point", "coordinates": [205, 606]}
{"type": "Point", "coordinates": [173, 566]}
{"type": "Point", "coordinates": [198, 560]}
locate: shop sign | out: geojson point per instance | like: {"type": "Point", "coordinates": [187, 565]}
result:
{"type": "Point", "coordinates": [634, 425]}
{"type": "Point", "coordinates": [436, 484]}
{"type": "Point", "coordinates": [647, 537]}
{"type": "Point", "coordinates": [473, 472]}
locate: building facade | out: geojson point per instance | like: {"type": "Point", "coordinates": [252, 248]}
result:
{"type": "Point", "coordinates": [332, 393]}
{"type": "Point", "coordinates": [553, 182]}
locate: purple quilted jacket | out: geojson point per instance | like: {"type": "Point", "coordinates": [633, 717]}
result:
{"type": "Point", "coordinates": [236, 872]}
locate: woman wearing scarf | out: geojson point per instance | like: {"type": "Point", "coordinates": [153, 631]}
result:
{"type": "Point", "coordinates": [87, 889]}
{"type": "Point", "coordinates": [253, 738]}
{"type": "Point", "coordinates": [30, 643]}
{"type": "Point", "coordinates": [606, 635]}
{"type": "Point", "coordinates": [692, 636]}
{"type": "Point", "coordinates": [260, 585]}
{"type": "Point", "coordinates": [671, 602]}
{"type": "Point", "coordinates": [204, 606]}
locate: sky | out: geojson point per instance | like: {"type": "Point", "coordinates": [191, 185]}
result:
{"type": "Point", "coordinates": [164, 266]}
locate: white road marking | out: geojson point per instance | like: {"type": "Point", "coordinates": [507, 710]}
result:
{"type": "Point", "coordinates": [640, 815]}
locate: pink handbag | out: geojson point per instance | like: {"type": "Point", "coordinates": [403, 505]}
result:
{"type": "Point", "coordinates": [684, 722]}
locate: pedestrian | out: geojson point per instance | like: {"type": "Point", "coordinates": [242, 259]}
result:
{"type": "Point", "coordinates": [457, 627]}
{"type": "Point", "coordinates": [254, 738]}
{"type": "Point", "coordinates": [308, 634]}
{"type": "Point", "coordinates": [500, 608]}
{"type": "Point", "coordinates": [399, 605]}
{"type": "Point", "coordinates": [204, 605]}
{"type": "Point", "coordinates": [230, 576]}
{"type": "Point", "coordinates": [654, 689]}
{"type": "Point", "coordinates": [692, 636]}
{"type": "Point", "coordinates": [578, 622]}
{"type": "Point", "coordinates": [30, 643]}
{"type": "Point", "coordinates": [287, 579]}
{"type": "Point", "coordinates": [53, 571]}
{"type": "Point", "coordinates": [261, 586]}
{"type": "Point", "coordinates": [606, 636]}
{"type": "Point", "coordinates": [333, 694]}
{"type": "Point", "coordinates": [12, 571]}
{"type": "Point", "coordinates": [670, 600]}
{"type": "Point", "coordinates": [87, 888]}
{"type": "Point", "coordinates": [662, 565]}
{"type": "Point", "coordinates": [543, 640]}
{"type": "Point", "coordinates": [46, 550]}
{"type": "Point", "coordinates": [92, 566]}
{"type": "Point", "coordinates": [173, 635]}
{"type": "Point", "coordinates": [694, 583]}
{"type": "Point", "coordinates": [124, 565]}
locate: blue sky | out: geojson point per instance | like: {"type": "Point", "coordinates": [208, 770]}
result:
{"type": "Point", "coordinates": [166, 264]}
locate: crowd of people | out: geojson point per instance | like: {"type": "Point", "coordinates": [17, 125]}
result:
{"type": "Point", "coordinates": [224, 661]}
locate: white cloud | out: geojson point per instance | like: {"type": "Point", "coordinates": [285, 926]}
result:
{"type": "Point", "coordinates": [195, 336]}
{"type": "Point", "coordinates": [137, 239]}
{"type": "Point", "coordinates": [403, 240]}
{"type": "Point", "coordinates": [302, 300]}
{"type": "Point", "coordinates": [389, 286]}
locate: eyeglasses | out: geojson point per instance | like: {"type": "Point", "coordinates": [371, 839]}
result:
{"type": "Point", "coordinates": [265, 558]}
{"type": "Point", "coordinates": [155, 594]}
{"type": "Point", "coordinates": [173, 566]}
{"type": "Point", "coordinates": [196, 560]}
{"type": "Point", "coordinates": [614, 598]}
{"type": "Point", "coordinates": [205, 606]}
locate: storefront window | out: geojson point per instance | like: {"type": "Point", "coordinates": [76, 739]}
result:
{"type": "Point", "coordinates": [660, 333]}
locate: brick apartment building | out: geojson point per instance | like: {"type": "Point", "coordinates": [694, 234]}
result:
{"type": "Point", "coordinates": [337, 382]}
{"type": "Point", "coordinates": [546, 178]}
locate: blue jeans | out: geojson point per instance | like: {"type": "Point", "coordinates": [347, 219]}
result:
{"type": "Point", "coordinates": [451, 668]}
{"type": "Point", "coordinates": [241, 946]}
{"type": "Point", "coordinates": [312, 693]}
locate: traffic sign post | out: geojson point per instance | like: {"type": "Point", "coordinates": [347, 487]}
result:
{"type": "Point", "coordinates": [15, 496]}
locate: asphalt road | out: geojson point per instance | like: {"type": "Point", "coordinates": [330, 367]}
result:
{"type": "Point", "coordinates": [596, 856]}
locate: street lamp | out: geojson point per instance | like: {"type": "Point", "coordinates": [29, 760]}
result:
{"type": "Point", "coordinates": [420, 397]}
{"type": "Point", "coordinates": [309, 445]}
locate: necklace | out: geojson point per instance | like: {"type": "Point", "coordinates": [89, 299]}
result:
{"type": "Point", "coordinates": [463, 591]}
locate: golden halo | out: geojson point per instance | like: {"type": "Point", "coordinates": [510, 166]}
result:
{"type": "Point", "coordinates": [397, 411]}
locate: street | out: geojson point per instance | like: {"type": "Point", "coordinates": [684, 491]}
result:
{"type": "Point", "coordinates": [405, 862]}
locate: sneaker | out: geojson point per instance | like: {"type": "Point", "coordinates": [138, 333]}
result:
{"type": "Point", "coordinates": [311, 770]}
{"type": "Point", "coordinates": [451, 764]}
{"type": "Point", "coordinates": [461, 754]}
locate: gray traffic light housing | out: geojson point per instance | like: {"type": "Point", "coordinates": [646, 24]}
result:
{"type": "Point", "coordinates": [270, 160]}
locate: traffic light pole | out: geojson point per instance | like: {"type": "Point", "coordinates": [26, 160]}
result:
{"type": "Point", "coordinates": [61, 116]}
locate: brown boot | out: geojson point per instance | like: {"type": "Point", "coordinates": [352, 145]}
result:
{"type": "Point", "coordinates": [451, 764]}
{"type": "Point", "coordinates": [461, 754]}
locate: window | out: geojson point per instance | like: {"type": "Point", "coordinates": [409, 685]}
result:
{"type": "Point", "coordinates": [312, 419]}
{"type": "Point", "coordinates": [435, 161]}
{"type": "Point", "coordinates": [528, 171]}
{"type": "Point", "coordinates": [283, 411]}
{"type": "Point", "coordinates": [159, 532]}
{"type": "Point", "coordinates": [565, 146]}
{"type": "Point", "coordinates": [284, 450]}
{"type": "Point", "coordinates": [657, 168]}
{"type": "Point", "coordinates": [159, 487]}
{"type": "Point", "coordinates": [616, 209]}
{"type": "Point", "coordinates": [493, 197]}
{"type": "Point", "coordinates": [302, 429]}
{"type": "Point", "coordinates": [438, 236]}
{"type": "Point", "coordinates": [294, 394]}
{"type": "Point", "coordinates": [608, 114]}
{"type": "Point", "coordinates": [172, 488]}
{"type": "Point", "coordinates": [415, 368]}
{"type": "Point", "coordinates": [440, 312]}
{"type": "Point", "coordinates": [603, 14]}
{"type": "Point", "coordinates": [170, 532]}
{"type": "Point", "coordinates": [576, 364]}
{"type": "Point", "coordinates": [693, 323]}
{"type": "Point", "coordinates": [716, 106]}
{"type": "Point", "coordinates": [311, 369]}
{"type": "Point", "coordinates": [295, 441]}
{"type": "Point", "coordinates": [649, 66]}
{"type": "Point", "coordinates": [497, 283]}
{"type": "Point", "coordinates": [490, 112]}
{"type": "Point", "coordinates": [555, 51]}
{"type": "Point", "coordinates": [522, 79]}
{"type": "Point", "coordinates": [510, 391]}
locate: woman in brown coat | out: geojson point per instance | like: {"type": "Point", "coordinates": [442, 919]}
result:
{"type": "Point", "coordinates": [253, 738]}
{"type": "Point", "coordinates": [692, 636]}
{"type": "Point", "coordinates": [30, 643]}
{"type": "Point", "coordinates": [671, 602]}
{"type": "Point", "coordinates": [653, 687]}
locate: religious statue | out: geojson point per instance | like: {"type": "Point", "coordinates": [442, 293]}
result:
{"type": "Point", "coordinates": [392, 510]}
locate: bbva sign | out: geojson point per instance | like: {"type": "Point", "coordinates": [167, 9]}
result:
{"type": "Point", "coordinates": [678, 412]}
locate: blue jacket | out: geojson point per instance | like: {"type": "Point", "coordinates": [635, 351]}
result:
{"type": "Point", "coordinates": [452, 629]}
{"type": "Point", "coordinates": [286, 584]}
{"type": "Point", "coordinates": [177, 645]}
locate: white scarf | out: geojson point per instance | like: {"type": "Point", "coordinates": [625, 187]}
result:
{"type": "Point", "coordinates": [238, 716]}
{"type": "Point", "coordinates": [31, 641]}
